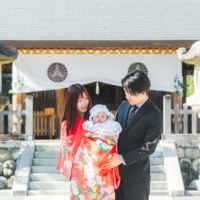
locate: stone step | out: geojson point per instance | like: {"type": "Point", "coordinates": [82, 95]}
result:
{"type": "Point", "coordinates": [46, 154]}
{"type": "Point", "coordinates": [52, 169]}
{"type": "Point", "coordinates": [192, 193]}
{"type": "Point", "coordinates": [54, 154]}
{"type": "Point", "coordinates": [157, 154]}
{"type": "Point", "coordinates": [44, 169]}
{"type": "Point", "coordinates": [159, 185]}
{"type": "Point", "coordinates": [158, 177]}
{"type": "Point", "coordinates": [156, 161]}
{"type": "Point", "coordinates": [159, 192]}
{"type": "Point", "coordinates": [49, 185]}
{"type": "Point", "coordinates": [49, 146]}
{"type": "Point", "coordinates": [53, 161]}
{"type": "Point", "coordinates": [62, 185]}
{"type": "Point", "coordinates": [55, 146]}
{"type": "Point", "coordinates": [48, 192]}
{"type": "Point", "coordinates": [45, 162]}
{"type": "Point", "coordinates": [60, 177]}
{"type": "Point", "coordinates": [67, 197]}
{"type": "Point", "coordinates": [67, 192]}
{"type": "Point", "coordinates": [157, 168]}
{"type": "Point", "coordinates": [47, 177]}
{"type": "Point", "coordinates": [159, 147]}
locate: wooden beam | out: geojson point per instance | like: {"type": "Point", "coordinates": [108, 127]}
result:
{"type": "Point", "coordinates": [120, 50]}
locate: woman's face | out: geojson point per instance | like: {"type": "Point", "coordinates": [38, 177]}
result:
{"type": "Point", "coordinates": [82, 104]}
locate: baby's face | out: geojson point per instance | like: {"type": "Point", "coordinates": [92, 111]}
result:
{"type": "Point", "coordinates": [100, 117]}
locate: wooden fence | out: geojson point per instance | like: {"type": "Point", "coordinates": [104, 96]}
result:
{"type": "Point", "coordinates": [28, 112]}
{"type": "Point", "coordinates": [179, 117]}
{"type": "Point", "coordinates": [44, 124]}
{"type": "Point", "coordinates": [39, 124]}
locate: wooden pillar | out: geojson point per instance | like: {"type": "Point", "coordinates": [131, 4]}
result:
{"type": "Point", "coordinates": [29, 117]}
{"type": "Point", "coordinates": [60, 100]}
{"type": "Point", "coordinates": [177, 99]}
{"type": "Point", "coordinates": [20, 99]}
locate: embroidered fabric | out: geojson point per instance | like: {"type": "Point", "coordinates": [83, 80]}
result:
{"type": "Point", "coordinates": [109, 128]}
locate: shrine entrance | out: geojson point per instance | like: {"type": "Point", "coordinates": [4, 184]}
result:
{"type": "Point", "coordinates": [112, 96]}
{"type": "Point", "coordinates": [109, 95]}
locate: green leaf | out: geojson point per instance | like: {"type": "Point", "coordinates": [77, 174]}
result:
{"type": "Point", "coordinates": [11, 92]}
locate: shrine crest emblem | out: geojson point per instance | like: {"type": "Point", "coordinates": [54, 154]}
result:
{"type": "Point", "coordinates": [57, 72]}
{"type": "Point", "coordinates": [138, 66]}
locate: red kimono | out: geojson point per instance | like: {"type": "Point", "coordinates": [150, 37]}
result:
{"type": "Point", "coordinates": [82, 155]}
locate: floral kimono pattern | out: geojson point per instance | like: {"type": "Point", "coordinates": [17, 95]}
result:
{"type": "Point", "coordinates": [69, 144]}
{"type": "Point", "coordinates": [81, 161]}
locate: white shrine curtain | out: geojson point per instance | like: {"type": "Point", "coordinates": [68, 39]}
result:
{"type": "Point", "coordinates": [37, 72]}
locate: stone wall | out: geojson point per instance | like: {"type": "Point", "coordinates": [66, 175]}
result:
{"type": "Point", "coordinates": [188, 152]}
{"type": "Point", "coordinates": [9, 153]}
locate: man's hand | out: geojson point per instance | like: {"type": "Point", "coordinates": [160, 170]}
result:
{"type": "Point", "coordinates": [113, 162]}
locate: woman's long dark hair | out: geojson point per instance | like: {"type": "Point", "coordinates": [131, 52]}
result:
{"type": "Point", "coordinates": [71, 99]}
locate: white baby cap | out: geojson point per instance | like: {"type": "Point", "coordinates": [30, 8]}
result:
{"type": "Point", "coordinates": [100, 108]}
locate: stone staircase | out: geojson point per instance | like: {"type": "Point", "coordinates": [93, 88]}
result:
{"type": "Point", "coordinates": [159, 185]}
{"type": "Point", "coordinates": [192, 193]}
{"type": "Point", "coordinates": [46, 180]}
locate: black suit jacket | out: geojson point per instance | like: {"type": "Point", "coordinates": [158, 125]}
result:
{"type": "Point", "coordinates": [138, 140]}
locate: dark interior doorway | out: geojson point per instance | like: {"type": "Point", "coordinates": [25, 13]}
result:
{"type": "Point", "coordinates": [109, 95]}
{"type": "Point", "coordinates": [112, 96]}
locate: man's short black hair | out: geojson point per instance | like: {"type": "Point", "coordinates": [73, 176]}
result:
{"type": "Point", "coordinates": [136, 82]}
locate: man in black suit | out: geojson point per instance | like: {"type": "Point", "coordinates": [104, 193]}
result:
{"type": "Point", "coordinates": [141, 122]}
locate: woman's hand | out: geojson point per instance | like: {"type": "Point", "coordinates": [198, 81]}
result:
{"type": "Point", "coordinates": [113, 162]}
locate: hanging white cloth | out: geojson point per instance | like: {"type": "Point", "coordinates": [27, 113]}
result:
{"type": "Point", "coordinates": [38, 72]}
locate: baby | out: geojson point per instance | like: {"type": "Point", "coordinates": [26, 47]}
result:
{"type": "Point", "coordinates": [98, 146]}
{"type": "Point", "coordinates": [101, 125]}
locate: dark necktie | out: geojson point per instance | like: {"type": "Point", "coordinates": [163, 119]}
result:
{"type": "Point", "coordinates": [132, 114]}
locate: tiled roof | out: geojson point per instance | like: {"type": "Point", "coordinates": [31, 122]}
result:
{"type": "Point", "coordinates": [99, 20]}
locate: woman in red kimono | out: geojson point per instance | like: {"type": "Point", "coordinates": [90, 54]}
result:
{"type": "Point", "coordinates": [77, 106]}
